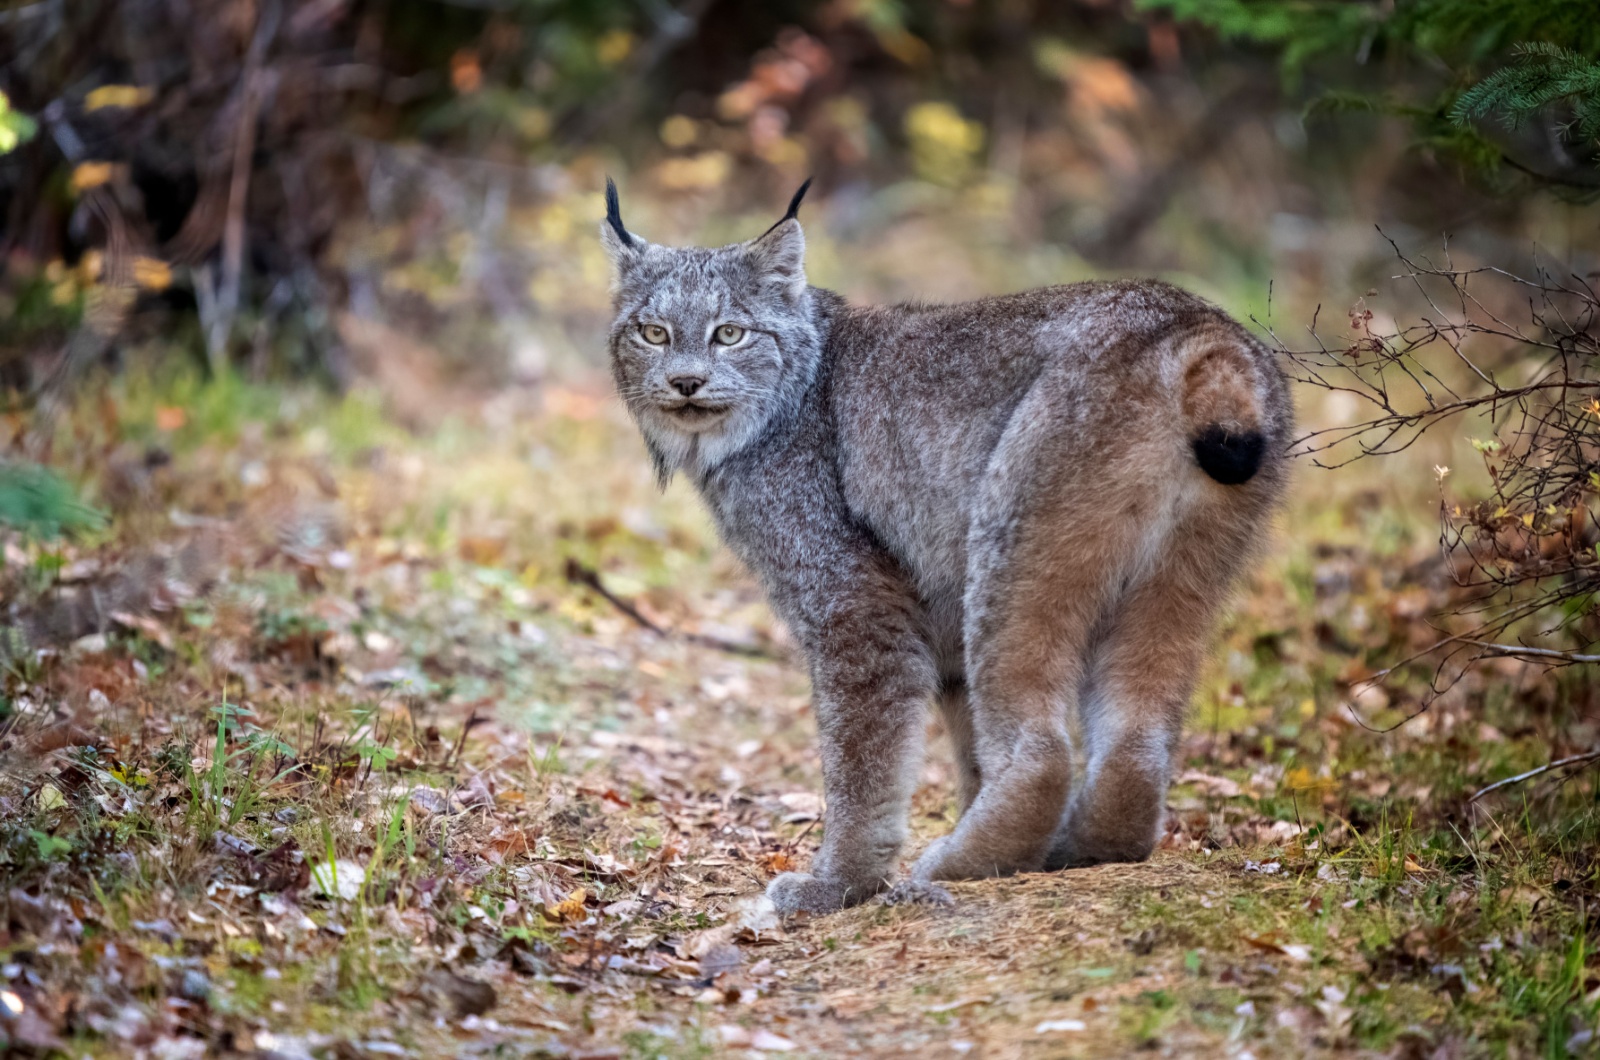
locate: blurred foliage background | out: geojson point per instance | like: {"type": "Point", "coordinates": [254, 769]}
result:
{"type": "Point", "coordinates": [297, 186]}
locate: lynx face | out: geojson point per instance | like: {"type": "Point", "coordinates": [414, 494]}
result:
{"type": "Point", "coordinates": [706, 344]}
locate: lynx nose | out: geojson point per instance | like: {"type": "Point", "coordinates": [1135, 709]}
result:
{"type": "Point", "coordinates": [687, 384]}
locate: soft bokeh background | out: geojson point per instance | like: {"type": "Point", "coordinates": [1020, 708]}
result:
{"type": "Point", "coordinates": [291, 187]}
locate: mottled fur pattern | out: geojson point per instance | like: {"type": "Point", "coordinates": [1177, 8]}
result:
{"type": "Point", "coordinates": [999, 506]}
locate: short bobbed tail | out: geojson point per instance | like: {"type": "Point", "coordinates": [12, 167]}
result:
{"type": "Point", "coordinates": [1232, 459]}
{"type": "Point", "coordinates": [1222, 407]}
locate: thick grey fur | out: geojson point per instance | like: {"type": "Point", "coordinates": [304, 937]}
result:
{"type": "Point", "coordinates": [994, 506]}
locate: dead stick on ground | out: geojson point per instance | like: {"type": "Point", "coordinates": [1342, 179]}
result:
{"type": "Point", "coordinates": [1570, 760]}
{"type": "Point", "coordinates": [589, 578]}
{"type": "Point", "coordinates": [578, 574]}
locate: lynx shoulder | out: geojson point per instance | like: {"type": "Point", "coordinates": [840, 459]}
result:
{"type": "Point", "coordinates": [1023, 510]}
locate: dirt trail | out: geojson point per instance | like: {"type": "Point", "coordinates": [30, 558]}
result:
{"type": "Point", "coordinates": [1079, 963]}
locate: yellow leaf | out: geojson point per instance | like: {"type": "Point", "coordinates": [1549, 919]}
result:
{"type": "Point", "coordinates": [614, 47]}
{"type": "Point", "coordinates": [678, 131]}
{"type": "Point", "coordinates": [1412, 866]}
{"type": "Point", "coordinates": [1527, 520]}
{"type": "Point", "coordinates": [91, 266]}
{"type": "Point", "coordinates": [1299, 777]}
{"type": "Point", "coordinates": [92, 174]}
{"type": "Point", "coordinates": [152, 274]}
{"type": "Point", "coordinates": [118, 96]}
{"type": "Point", "coordinates": [572, 906]}
{"type": "Point", "coordinates": [50, 798]}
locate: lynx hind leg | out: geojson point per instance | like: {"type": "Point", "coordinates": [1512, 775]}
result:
{"type": "Point", "coordinates": [955, 708]}
{"type": "Point", "coordinates": [1141, 679]}
{"type": "Point", "coordinates": [1030, 618]}
{"type": "Point", "coordinates": [1023, 669]}
{"type": "Point", "coordinates": [1034, 591]}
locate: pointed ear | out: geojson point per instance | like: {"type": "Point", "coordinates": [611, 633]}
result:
{"type": "Point", "coordinates": [622, 246]}
{"type": "Point", "coordinates": [622, 254]}
{"type": "Point", "coordinates": [779, 257]}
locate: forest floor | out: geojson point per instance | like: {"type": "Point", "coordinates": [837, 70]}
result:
{"type": "Point", "coordinates": [331, 745]}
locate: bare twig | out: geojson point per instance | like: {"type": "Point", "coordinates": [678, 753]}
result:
{"type": "Point", "coordinates": [1536, 653]}
{"type": "Point", "coordinates": [1519, 354]}
{"type": "Point", "coordinates": [589, 578]}
{"type": "Point", "coordinates": [1560, 763]}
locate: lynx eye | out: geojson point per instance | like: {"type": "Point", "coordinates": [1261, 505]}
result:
{"type": "Point", "coordinates": [729, 335]}
{"type": "Point", "coordinates": [654, 334]}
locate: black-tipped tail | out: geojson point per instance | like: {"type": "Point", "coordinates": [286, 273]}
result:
{"type": "Point", "coordinates": [1229, 457]}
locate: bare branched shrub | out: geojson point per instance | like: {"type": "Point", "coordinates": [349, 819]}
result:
{"type": "Point", "coordinates": [1515, 361]}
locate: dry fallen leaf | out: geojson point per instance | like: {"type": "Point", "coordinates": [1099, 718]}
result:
{"type": "Point", "coordinates": [752, 919]}
{"type": "Point", "coordinates": [778, 862]}
{"type": "Point", "coordinates": [767, 1042]}
{"type": "Point", "coordinates": [1271, 943]}
{"type": "Point", "coordinates": [341, 879]}
{"type": "Point", "coordinates": [802, 806]}
{"type": "Point", "coordinates": [572, 906]}
{"type": "Point", "coordinates": [719, 960]}
{"type": "Point", "coordinates": [1217, 787]}
{"type": "Point", "coordinates": [145, 626]}
{"type": "Point", "coordinates": [952, 1006]}
{"type": "Point", "coordinates": [468, 997]}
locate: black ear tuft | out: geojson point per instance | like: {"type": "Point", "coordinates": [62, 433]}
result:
{"type": "Point", "coordinates": [614, 213]}
{"type": "Point", "coordinates": [793, 212]}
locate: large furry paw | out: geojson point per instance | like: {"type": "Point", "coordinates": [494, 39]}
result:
{"type": "Point", "coordinates": [916, 892]}
{"type": "Point", "coordinates": [946, 858]}
{"type": "Point", "coordinates": [1071, 850]}
{"type": "Point", "coordinates": [800, 892]}
{"type": "Point", "coordinates": [931, 863]}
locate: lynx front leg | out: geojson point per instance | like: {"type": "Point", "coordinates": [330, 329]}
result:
{"type": "Point", "coordinates": [872, 680]}
{"type": "Point", "coordinates": [1133, 720]}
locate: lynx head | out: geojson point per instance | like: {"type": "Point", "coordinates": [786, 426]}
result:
{"type": "Point", "coordinates": [708, 346]}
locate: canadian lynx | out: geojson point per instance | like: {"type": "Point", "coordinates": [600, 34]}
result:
{"type": "Point", "coordinates": [1023, 508]}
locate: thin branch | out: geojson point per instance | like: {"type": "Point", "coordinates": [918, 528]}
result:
{"type": "Point", "coordinates": [589, 578]}
{"type": "Point", "coordinates": [1570, 760]}
{"type": "Point", "coordinates": [1536, 653]}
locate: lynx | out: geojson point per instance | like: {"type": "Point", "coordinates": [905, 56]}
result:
{"type": "Point", "coordinates": [1024, 509]}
